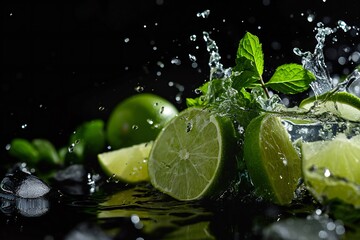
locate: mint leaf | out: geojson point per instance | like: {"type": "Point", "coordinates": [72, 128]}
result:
{"type": "Point", "coordinates": [290, 79]}
{"type": "Point", "coordinates": [244, 73]}
{"type": "Point", "coordinates": [251, 49]}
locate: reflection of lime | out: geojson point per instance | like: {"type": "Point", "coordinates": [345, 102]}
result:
{"type": "Point", "coordinates": [342, 104]}
{"type": "Point", "coordinates": [138, 119]}
{"type": "Point", "coordinates": [192, 157]}
{"type": "Point", "coordinates": [332, 168]}
{"type": "Point", "coordinates": [272, 161]}
{"type": "Point", "coordinates": [199, 230]}
{"type": "Point", "coordinates": [127, 164]}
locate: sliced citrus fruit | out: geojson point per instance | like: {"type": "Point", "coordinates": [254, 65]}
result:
{"type": "Point", "coordinates": [272, 162]}
{"type": "Point", "coordinates": [342, 104]}
{"type": "Point", "coordinates": [331, 168]}
{"type": "Point", "coordinates": [193, 157]}
{"type": "Point", "coordinates": [128, 164]}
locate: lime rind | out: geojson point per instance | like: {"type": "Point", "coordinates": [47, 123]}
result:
{"type": "Point", "coordinates": [342, 104]}
{"type": "Point", "coordinates": [190, 156]}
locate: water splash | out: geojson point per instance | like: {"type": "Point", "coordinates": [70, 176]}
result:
{"type": "Point", "coordinates": [216, 68]}
{"type": "Point", "coordinates": [315, 62]}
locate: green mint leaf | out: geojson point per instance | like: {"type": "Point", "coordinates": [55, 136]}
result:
{"type": "Point", "coordinates": [244, 73]}
{"type": "Point", "coordinates": [251, 49]}
{"type": "Point", "coordinates": [290, 79]}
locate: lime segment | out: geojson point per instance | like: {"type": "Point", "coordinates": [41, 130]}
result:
{"type": "Point", "coordinates": [128, 164]}
{"type": "Point", "coordinates": [192, 158]}
{"type": "Point", "coordinates": [332, 169]}
{"type": "Point", "coordinates": [273, 164]}
{"type": "Point", "coordinates": [342, 104]}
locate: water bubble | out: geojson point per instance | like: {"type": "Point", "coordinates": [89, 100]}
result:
{"type": "Point", "coordinates": [193, 38]}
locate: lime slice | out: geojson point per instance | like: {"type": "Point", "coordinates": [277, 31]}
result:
{"type": "Point", "coordinates": [273, 164]}
{"type": "Point", "coordinates": [332, 169]}
{"type": "Point", "coordinates": [128, 164]}
{"type": "Point", "coordinates": [342, 104]}
{"type": "Point", "coordinates": [192, 158]}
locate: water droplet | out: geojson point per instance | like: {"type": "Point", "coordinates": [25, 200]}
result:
{"type": "Point", "coordinates": [192, 58]}
{"type": "Point", "coordinates": [23, 126]}
{"type": "Point", "coordinates": [189, 126]}
{"type": "Point", "coordinates": [135, 127]}
{"type": "Point", "coordinates": [126, 40]}
{"type": "Point", "coordinates": [101, 108]}
{"type": "Point", "coordinates": [204, 14]}
{"type": "Point", "coordinates": [150, 121]}
{"type": "Point", "coordinates": [193, 38]}
{"type": "Point", "coordinates": [176, 61]}
{"type": "Point", "coordinates": [139, 88]}
{"type": "Point", "coordinates": [327, 173]}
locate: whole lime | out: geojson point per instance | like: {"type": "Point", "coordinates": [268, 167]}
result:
{"type": "Point", "coordinates": [138, 119]}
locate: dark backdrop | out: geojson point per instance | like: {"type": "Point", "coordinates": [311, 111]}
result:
{"type": "Point", "coordinates": [66, 62]}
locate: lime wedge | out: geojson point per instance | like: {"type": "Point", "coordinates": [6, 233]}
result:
{"type": "Point", "coordinates": [129, 164]}
{"type": "Point", "coordinates": [273, 164]}
{"type": "Point", "coordinates": [342, 104]}
{"type": "Point", "coordinates": [331, 169]}
{"type": "Point", "coordinates": [192, 158]}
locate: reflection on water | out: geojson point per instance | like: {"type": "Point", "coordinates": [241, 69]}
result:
{"type": "Point", "coordinates": [157, 215]}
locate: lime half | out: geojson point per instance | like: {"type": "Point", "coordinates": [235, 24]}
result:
{"type": "Point", "coordinates": [129, 164]}
{"type": "Point", "coordinates": [192, 158]}
{"type": "Point", "coordinates": [273, 164]}
{"type": "Point", "coordinates": [342, 104]}
{"type": "Point", "coordinates": [332, 169]}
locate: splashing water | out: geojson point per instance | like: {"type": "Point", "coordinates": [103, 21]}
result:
{"type": "Point", "coordinates": [315, 62]}
{"type": "Point", "coordinates": [216, 68]}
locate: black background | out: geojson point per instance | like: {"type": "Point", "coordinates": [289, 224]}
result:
{"type": "Point", "coordinates": [66, 62]}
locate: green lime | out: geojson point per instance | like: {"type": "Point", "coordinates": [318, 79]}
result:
{"type": "Point", "coordinates": [193, 157]}
{"type": "Point", "coordinates": [331, 168]}
{"type": "Point", "coordinates": [138, 119]}
{"type": "Point", "coordinates": [129, 164]}
{"type": "Point", "coordinates": [342, 104]}
{"type": "Point", "coordinates": [272, 162]}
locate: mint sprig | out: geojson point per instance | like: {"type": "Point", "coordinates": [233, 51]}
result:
{"type": "Point", "coordinates": [288, 78]}
{"type": "Point", "coordinates": [247, 74]}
